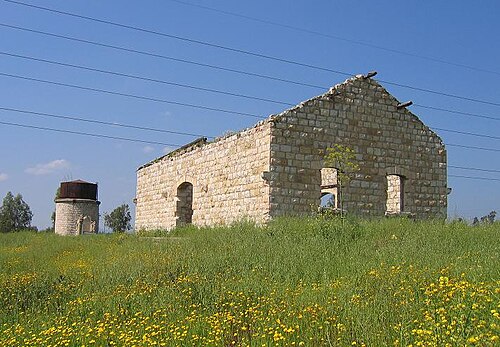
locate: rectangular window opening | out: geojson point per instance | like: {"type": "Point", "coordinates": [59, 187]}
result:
{"type": "Point", "coordinates": [395, 194]}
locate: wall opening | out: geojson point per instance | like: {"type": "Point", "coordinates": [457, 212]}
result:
{"type": "Point", "coordinates": [328, 200]}
{"type": "Point", "coordinates": [395, 194]}
{"type": "Point", "coordinates": [329, 188]}
{"type": "Point", "coordinates": [184, 204]}
{"type": "Point", "coordinates": [85, 224]}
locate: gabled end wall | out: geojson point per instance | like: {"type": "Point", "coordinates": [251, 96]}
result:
{"type": "Point", "coordinates": [362, 115]}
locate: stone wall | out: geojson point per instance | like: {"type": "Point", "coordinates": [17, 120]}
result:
{"type": "Point", "coordinates": [226, 177]}
{"type": "Point", "coordinates": [275, 168]}
{"type": "Point", "coordinates": [71, 213]}
{"type": "Point", "coordinates": [362, 115]}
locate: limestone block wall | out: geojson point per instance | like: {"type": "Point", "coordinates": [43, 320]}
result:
{"type": "Point", "coordinates": [72, 213]}
{"type": "Point", "coordinates": [361, 114]}
{"type": "Point", "coordinates": [227, 178]}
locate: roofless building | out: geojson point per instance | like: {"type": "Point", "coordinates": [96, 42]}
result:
{"type": "Point", "coordinates": [277, 167]}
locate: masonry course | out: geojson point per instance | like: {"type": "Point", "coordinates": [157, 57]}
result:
{"type": "Point", "coordinates": [275, 168]}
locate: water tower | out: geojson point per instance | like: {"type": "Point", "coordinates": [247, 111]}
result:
{"type": "Point", "coordinates": [77, 208]}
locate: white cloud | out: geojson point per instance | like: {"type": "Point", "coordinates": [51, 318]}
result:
{"type": "Point", "coordinates": [48, 168]}
{"type": "Point", "coordinates": [166, 113]}
{"type": "Point", "coordinates": [3, 177]}
{"type": "Point", "coordinates": [148, 149]}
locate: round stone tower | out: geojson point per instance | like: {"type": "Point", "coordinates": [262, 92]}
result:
{"type": "Point", "coordinates": [77, 208]}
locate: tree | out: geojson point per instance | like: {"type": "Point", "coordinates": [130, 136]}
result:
{"type": "Point", "coordinates": [53, 215]}
{"type": "Point", "coordinates": [119, 219]}
{"type": "Point", "coordinates": [343, 159]}
{"type": "Point", "coordinates": [15, 214]}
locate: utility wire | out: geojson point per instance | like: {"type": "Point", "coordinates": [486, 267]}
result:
{"type": "Point", "coordinates": [153, 129]}
{"type": "Point", "coordinates": [165, 144]}
{"type": "Point", "coordinates": [204, 107]}
{"type": "Point", "coordinates": [200, 106]}
{"type": "Point", "coordinates": [475, 178]}
{"type": "Point", "coordinates": [161, 56]}
{"type": "Point", "coordinates": [229, 70]}
{"type": "Point", "coordinates": [66, 117]}
{"type": "Point", "coordinates": [457, 112]}
{"type": "Point", "coordinates": [335, 37]}
{"type": "Point", "coordinates": [95, 121]}
{"type": "Point", "coordinates": [180, 38]}
{"type": "Point", "coordinates": [473, 168]}
{"type": "Point", "coordinates": [473, 147]}
{"type": "Point", "coordinates": [87, 134]}
{"type": "Point", "coordinates": [226, 69]}
{"type": "Point", "coordinates": [140, 97]}
{"type": "Point", "coordinates": [245, 52]}
{"type": "Point", "coordinates": [468, 133]}
{"type": "Point", "coordinates": [115, 73]}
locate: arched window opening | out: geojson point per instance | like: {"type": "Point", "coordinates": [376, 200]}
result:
{"type": "Point", "coordinates": [184, 204]}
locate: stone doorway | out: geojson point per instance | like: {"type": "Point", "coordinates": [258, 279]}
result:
{"type": "Point", "coordinates": [85, 225]}
{"type": "Point", "coordinates": [184, 204]}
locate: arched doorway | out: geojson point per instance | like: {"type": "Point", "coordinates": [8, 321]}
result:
{"type": "Point", "coordinates": [184, 204]}
{"type": "Point", "coordinates": [86, 225]}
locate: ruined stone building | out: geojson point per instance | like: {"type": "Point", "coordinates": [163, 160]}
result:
{"type": "Point", "coordinates": [276, 168]}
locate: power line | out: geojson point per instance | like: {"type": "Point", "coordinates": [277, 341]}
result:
{"type": "Point", "coordinates": [161, 56]}
{"type": "Point", "coordinates": [180, 38]}
{"type": "Point", "coordinates": [162, 143]}
{"type": "Point", "coordinates": [95, 121]}
{"type": "Point", "coordinates": [190, 105]}
{"type": "Point", "coordinates": [457, 112]}
{"type": "Point", "coordinates": [335, 37]}
{"type": "Point", "coordinates": [473, 169]}
{"type": "Point", "coordinates": [115, 73]}
{"type": "Point", "coordinates": [468, 133]}
{"type": "Point", "coordinates": [245, 52]}
{"type": "Point", "coordinates": [140, 97]}
{"type": "Point", "coordinates": [159, 143]}
{"type": "Point", "coordinates": [226, 69]}
{"type": "Point", "coordinates": [66, 117]}
{"type": "Point", "coordinates": [473, 147]}
{"type": "Point", "coordinates": [87, 134]}
{"type": "Point", "coordinates": [475, 178]}
{"type": "Point", "coordinates": [449, 95]}
{"type": "Point", "coordinates": [241, 72]}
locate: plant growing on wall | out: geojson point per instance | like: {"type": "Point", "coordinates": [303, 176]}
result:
{"type": "Point", "coordinates": [343, 159]}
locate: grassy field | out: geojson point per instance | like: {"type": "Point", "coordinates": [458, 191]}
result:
{"type": "Point", "coordinates": [308, 282]}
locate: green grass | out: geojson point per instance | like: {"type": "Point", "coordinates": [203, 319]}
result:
{"type": "Point", "coordinates": [309, 281]}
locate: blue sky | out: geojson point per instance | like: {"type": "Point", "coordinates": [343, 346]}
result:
{"type": "Point", "coordinates": [33, 162]}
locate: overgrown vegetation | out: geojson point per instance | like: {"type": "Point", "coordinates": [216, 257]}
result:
{"type": "Point", "coordinates": [119, 219]}
{"type": "Point", "coordinates": [297, 282]}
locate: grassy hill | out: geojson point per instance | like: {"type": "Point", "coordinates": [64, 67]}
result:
{"type": "Point", "coordinates": [296, 282]}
